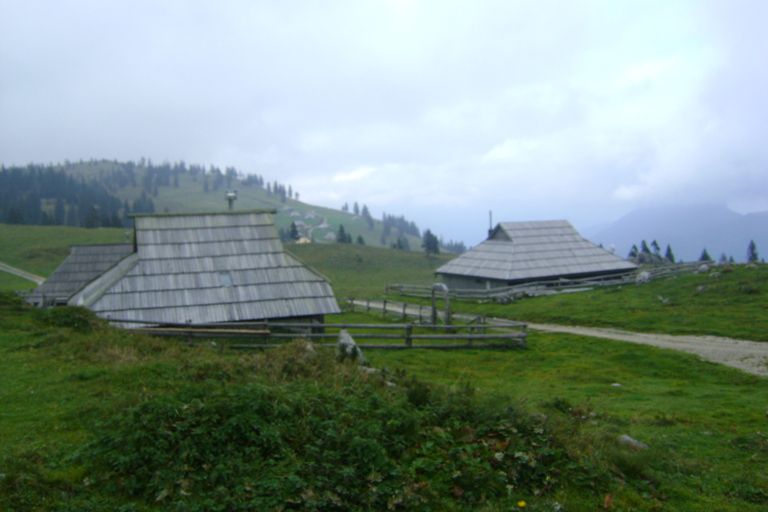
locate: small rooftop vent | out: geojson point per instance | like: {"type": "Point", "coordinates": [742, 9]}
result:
{"type": "Point", "coordinates": [231, 197]}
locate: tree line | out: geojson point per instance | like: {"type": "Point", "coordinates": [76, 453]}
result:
{"type": "Point", "coordinates": [651, 254]}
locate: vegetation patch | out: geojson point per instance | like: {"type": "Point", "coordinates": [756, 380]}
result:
{"type": "Point", "coordinates": [357, 445]}
{"type": "Point", "coordinates": [727, 301]}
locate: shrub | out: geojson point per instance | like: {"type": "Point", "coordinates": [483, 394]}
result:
{"type": "Point", "coordinates": [343, 442]}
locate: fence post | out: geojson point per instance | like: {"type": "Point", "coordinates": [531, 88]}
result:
{"type": "Point", "coordinates": [405, 305]}
{"type": "Point", "coordinates": [408, 335]}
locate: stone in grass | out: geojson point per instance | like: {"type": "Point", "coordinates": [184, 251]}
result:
{"type": "Point", "coordinates": [643, 277]}
{"type": "Point", "coordinates": [633, 443]}
{"type": "Point", "coordinates": [346, 348]}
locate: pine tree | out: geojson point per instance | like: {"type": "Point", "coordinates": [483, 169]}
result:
{"type": "Point", "coordinates": [343, 237]}
{"type": "Point", "coordinates": [430, 243]}
{"type": "Point", "coordinates": [705, 256]}
{"type": "Point", "coordinates": [668, 255]}
{"type": "Point", "coordinates": [356, 208]}
{"type": "Point", "coordinates": [633, 253]}
{"type": "Point", "coordinates": [360, 240]}
{"type": "Point", "coordinates": [752, 256]}
{"type": "Point", "coordinates": [293, 231]}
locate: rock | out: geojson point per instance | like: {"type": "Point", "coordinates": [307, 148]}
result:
{"type": "Point", "coordinates": [701, 289]}
{"type": "Point", "coordinates": [633, 443]}
{"type": "Point", "coordinates": [714, 274]}
{"type": "Point", "coordinates": [703, 268]}
{"type": "Point", "coordinates": [643, 277]}
{"type": "Point", "coordinates": [346, 348]}
{"type": "Point", "coordinates": [616, 385]}
{"type": "Point", "coordinates": [663, 300]}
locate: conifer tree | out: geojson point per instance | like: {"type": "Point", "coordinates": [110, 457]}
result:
{"type": "Point", "coordinates": [430, 243]}
{"type": "Point", "coordinates": [752, 256]}
{"type": "Point", "coordinates": [668, 255]}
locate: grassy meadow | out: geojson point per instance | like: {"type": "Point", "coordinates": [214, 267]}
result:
{"type": "Point", "coordinates": [728, 301]}
{"type": "Point", "coordinates": [40, 249]}
{"type": "Point", "coordinates": [75, 392]}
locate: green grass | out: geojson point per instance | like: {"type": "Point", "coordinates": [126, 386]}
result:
{"type": "Point", "coordinates": [74, 440]}
{"type": "Point", "coordinates": [705, 424]}
{"type": "Point", "coordinates": [64, 378]}
{"type": "Point", "coordinates": [364, 272]}
{"type": "Point", "coordinates": [10, 282]}
{"type": "Point", "coordinates": [731, 303]}
{"type": "Point", "coordinates": [40, 249]}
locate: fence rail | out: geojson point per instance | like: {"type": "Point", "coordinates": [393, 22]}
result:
{"type": "Point", "coordinates": [543, 287]}
{"type": "Point", "coordinates": [410, 335]}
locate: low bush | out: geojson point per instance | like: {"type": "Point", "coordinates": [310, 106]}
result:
{"type": "Point", "coordinates": [346, 441]}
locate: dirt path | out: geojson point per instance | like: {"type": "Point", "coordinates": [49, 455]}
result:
{"type": "Point", "coordinates": [4, 267]}
{"type": "Point", "coordinates": [749, 356]}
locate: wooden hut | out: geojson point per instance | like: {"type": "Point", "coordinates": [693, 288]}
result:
{"type": "Point", "coordinates": [521, 252]}
{"type": "Point", "coordinates": [207, 268]}
{"type": "Point", "coordinates": [84, 264]}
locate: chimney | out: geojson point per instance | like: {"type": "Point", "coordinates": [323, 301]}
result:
{"type": "Point", "coordinates": [231, 196]}
{"type": "Point", "coordinates": [490, 224]}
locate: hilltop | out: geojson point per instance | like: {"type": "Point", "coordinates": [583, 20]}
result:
{"type": "Point", "coordinates": [103, 193]}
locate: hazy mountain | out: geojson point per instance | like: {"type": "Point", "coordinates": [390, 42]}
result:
{"type": "Point", "coordinates": [688, 229]}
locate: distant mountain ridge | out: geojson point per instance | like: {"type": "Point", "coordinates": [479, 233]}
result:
{"type": "Point", "coordinates": [688, 229]}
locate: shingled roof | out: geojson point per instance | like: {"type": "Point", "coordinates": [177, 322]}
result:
{"type": "Point", "coordinates": [84, 263]}
{"type": "Point", "coordinates": [526, 251]}
{"type": "Point", "coordinates": [208, 268]}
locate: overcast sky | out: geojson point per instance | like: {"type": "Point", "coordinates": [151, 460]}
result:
{"type": "Point", "coordinates": [439, 110]}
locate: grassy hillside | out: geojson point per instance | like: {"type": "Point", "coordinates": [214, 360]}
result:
{"type": "Point", "coordinates": [97, 419]}
{"type": "Point", "coordinates": [729, 301]}
{"type": "Point", "coordinates": [190, 196]}
{"type": "Point", "coordinates": [9, 283]}
{"type": "Point", "coordinates": [363, 272]}
{"type": "Point", "coordinates": [40, 249]}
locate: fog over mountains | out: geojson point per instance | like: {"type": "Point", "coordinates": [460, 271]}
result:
{"type": "Point", "coordinates": [688, 229]}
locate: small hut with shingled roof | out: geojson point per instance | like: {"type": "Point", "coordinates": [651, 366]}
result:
{"type": "Point", "coordinates": [522, 252]}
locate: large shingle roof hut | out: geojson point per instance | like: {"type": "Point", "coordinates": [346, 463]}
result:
{"type": "Point", "coordinates": [520, 252]}
{"type": "Point", "coordinates": [207, 268]}
{"type": "Point", "coordinates": [84, 263]}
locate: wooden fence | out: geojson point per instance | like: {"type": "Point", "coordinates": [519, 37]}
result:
{"type": "Point", "coordinates": [544, 287]}
{"type": "Point", "coordinates": [368, 336]}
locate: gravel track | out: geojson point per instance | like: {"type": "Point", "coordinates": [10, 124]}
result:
{"type": "Point", "coordinates": [749, 356]}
